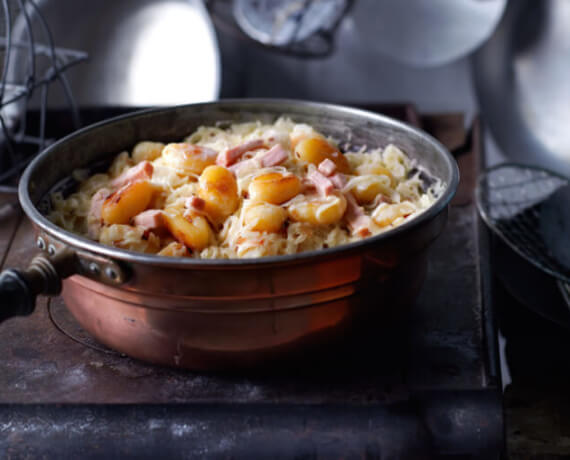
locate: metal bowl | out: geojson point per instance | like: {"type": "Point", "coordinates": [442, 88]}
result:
{"type": "Point", "coordinates": [521, 80]}
{"type": "Point", "coordinates": [142, 53]}
{"type": "Point", "coordinates": [213, 314]}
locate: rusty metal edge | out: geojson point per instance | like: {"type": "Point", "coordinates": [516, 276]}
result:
{"type": "Point", "coordinates": [490, 327]}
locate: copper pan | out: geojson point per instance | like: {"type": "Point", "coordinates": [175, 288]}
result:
{"type": "Point", "coordinates": [216, 314]}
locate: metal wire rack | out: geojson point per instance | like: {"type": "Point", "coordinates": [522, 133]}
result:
{"type": "Point", "coordinates": [30, 62]}
{"type": "Point", "coordinates": [527, 207]}
{"type": "Point", "coordinates": [302, 28]}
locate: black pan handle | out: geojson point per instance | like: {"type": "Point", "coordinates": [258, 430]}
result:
{"type": "Point", "coordinates": [19, 288]}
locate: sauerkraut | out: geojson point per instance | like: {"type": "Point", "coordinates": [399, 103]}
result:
{"type": "Point", "coordinates": [251, 190]}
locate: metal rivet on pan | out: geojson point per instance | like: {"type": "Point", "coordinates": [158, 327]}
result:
{"type": "Point", "coordinates": [111, 273]}
{"type": "Point", "coordinates": [40, 243]}
{"type": "Point", "coordinates": [94, 268]}
{"type": "Point", "coordinates": [51, 250]}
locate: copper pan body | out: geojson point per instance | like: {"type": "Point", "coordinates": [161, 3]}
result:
{"type": "Point", "coordinates": [220, 314]}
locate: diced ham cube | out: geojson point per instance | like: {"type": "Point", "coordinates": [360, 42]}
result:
{"type": "Point", "coordinates": [357, 220]}
{"type": "Point", "coordinates": [323, 184]}
{"type": "Point", "coordinates": [195, 203]}
{"type": "Point", "coordinates": [152, 219]}
{"type": "Point", "coordinates": [338, 180]}
{"type": "Point", "coordinates": [274, 156]}
{"type": "Point", "coordinates": [94, 216]}
{"type": "Point", "coordinates": [327, 167]}
{"type": "Point", "coordinates": [229, 156]}
{"type": "Point", "coordinates": [141, 171]}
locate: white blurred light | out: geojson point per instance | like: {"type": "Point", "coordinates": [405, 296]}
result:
{"type": "Point", "coordinates": [175, 60]}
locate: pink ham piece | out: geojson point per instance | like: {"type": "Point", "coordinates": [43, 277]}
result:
{"type": "Point", "coordinates": [141, 171]}
{"type": "Point", "coordinates": [150, 220]}
{"type": "Point", "coordinates": [195, 203]}
{"type": "Point", "coordinates": [322, 184]}
{"type": "Point", "coordinates": [338, 180]}
{"type": "Point", "coordinates": [94, 216]}
{"type": "Point", "coordinates": [274, 156]}
{"type": "Point", "coordinates": [229, 156]}
{"type": "Point", "coordinates": [327, 167]}
{"type": "Point", "coordinates": [251, 163]}
{"type": "Point", "coordinates": [357, 220]}
{"type": "Point", "coordinates": [240, 165]}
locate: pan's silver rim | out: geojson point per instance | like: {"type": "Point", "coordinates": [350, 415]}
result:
{"type": "Point", "coordinates": [79, 242]}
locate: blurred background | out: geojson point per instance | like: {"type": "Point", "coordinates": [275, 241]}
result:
{"type": "Point", "coordinates": [505, 61]}
{"type": "Point", "coordinates": [471, 55]}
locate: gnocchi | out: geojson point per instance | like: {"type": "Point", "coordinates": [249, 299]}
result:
{"type": "Point", "coordinates": [249, 190]}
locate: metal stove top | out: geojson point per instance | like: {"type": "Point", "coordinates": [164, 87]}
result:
{"type": "Point", "coordinates": [429, 386]}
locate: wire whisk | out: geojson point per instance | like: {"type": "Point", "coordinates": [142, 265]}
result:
{"type": "Point", "coordinates": [30, 62]}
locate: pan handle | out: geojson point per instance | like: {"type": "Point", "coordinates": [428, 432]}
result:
{"type": "Point", "coordinates": [19, 288]}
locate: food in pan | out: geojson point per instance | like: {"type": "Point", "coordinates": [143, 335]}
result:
{"type": "Point", "coordinates": [250, 190]}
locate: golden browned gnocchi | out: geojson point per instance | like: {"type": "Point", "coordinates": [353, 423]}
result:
{"type": "Point", "coordinates": [251, 190]}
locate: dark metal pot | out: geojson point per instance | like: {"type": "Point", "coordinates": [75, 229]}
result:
{"type": "Point", "coordinates": [213, 314]}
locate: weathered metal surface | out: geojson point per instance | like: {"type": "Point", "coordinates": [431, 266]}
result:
{"type": "Point", "coordinates": [415, 429]}
{"type": "Point", "coordinates": [241, 431]}
{"type": "Point", "coordinates": [431, 378]}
